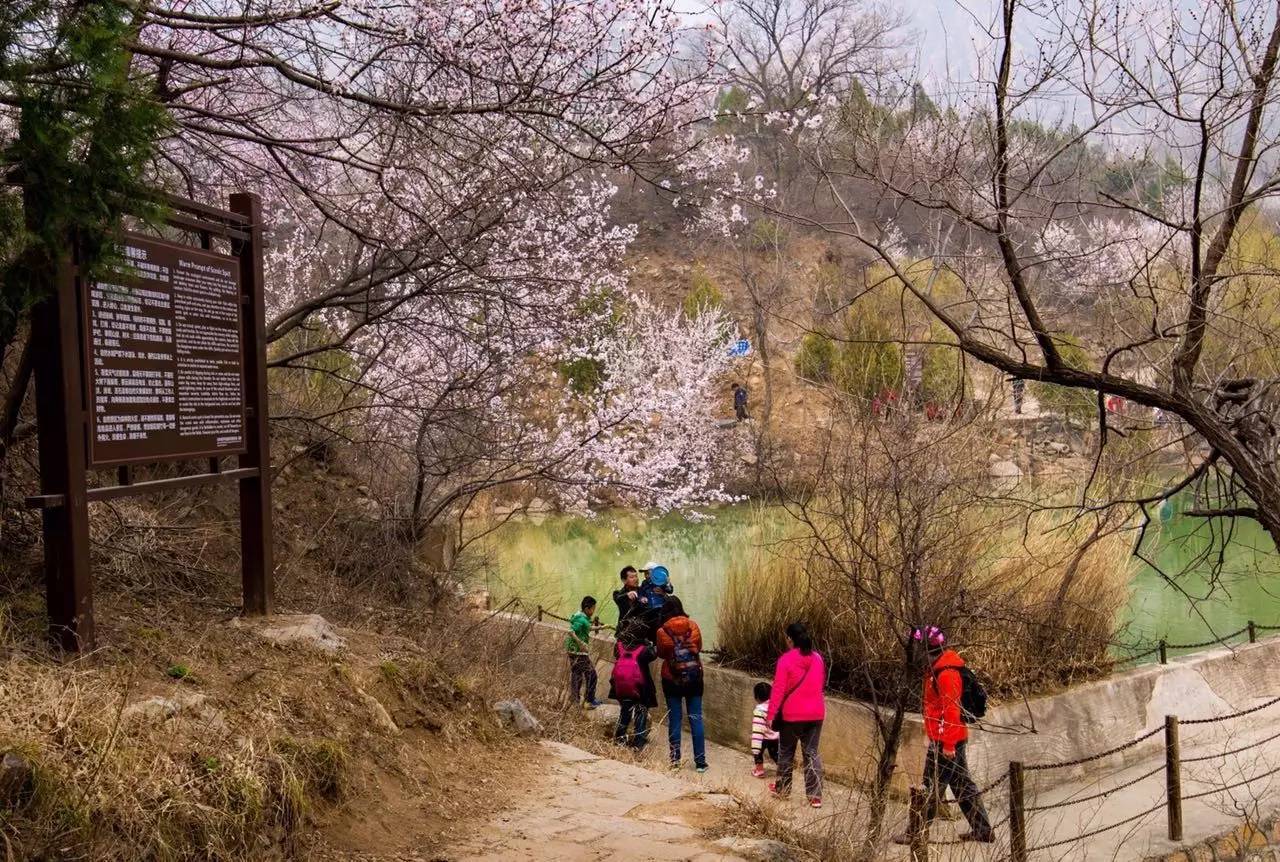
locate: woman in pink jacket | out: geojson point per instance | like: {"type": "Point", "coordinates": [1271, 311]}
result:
{"type": "Point", "coordinates": [798, 685]}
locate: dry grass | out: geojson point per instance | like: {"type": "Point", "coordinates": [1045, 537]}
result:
{"type": "Point", "coordinates": [1006, 616]}
{"type": "Point", "coordinates": [270, 741]}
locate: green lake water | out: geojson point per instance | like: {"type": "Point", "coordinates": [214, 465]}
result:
{"type": "Point", "coordinates": [555, 560]}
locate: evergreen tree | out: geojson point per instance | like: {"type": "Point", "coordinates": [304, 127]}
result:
{"type": "Point", "coordinates": [77, 133]}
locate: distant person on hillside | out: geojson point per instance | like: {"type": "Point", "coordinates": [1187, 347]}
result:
{"type": "Point", "coordinates": [740, 402]}
{"type": "Point", "coordinates": [680, 646]}
{"type": "Point", "coordinates": [1019, 390]}
{"type": "Point", "coordinates": [631, 684]}
{"type": "Point", "coordinates": [764, 739]}
{"type": "Point", "coordinates": [944, 710]}
{"type": "Point", "coordinates": [653, 593]}
{"type": "Point", "coordinates": [796, 710]}
{"type": "Point", "coordinates": [627, 598]}
{"type": "Point", "coordinates": [582, 669]}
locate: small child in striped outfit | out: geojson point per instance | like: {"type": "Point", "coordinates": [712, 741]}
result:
{"type": "Point", "coordinates": [763, 738]}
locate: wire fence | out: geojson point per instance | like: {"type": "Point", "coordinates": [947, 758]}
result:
{"type": "Point", "coordinates": [1138, 651]}
{"type": "Point", "coordinates": [1171, 800]}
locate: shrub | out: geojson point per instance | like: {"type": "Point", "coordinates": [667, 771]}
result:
{"type": "Point", "coordinates": [868, 362]}
{"type": "Point", "coordinates": [703, 293]}
{"type": "Point", "coordinates": [816, 358]}
{"type": "Point", "coordinates": [942, 379]}
{"type": "Point", "coordinates": [1076, 405]}
{"type": "Point", "coordinates": [583, 374]}
{"type": "Point", "coordinates": [767, 235]}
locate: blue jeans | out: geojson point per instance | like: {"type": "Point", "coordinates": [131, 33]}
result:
{"type": "Point", "coordinates": [674, 708]}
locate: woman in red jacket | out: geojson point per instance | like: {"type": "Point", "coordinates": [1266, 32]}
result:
{"type": "Point", "coordinates": [798, 685]}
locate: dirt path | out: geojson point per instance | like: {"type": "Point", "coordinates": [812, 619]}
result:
{"type": "Point", "coordinates": [587, 808]}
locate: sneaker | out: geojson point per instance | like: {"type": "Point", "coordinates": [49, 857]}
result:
{"type": "Point", "coordinates": [815, 802]}
{"type": "Point", "coordinates": [773, 788]}
{"type": "Point", "coordinates": [701, 769]}
{"type": "Point", "coordinates": [979, 837]}
{"type": "Point", "coordinates": [757, 771]}
{"type": "Point", "coordinates": [593, 704]}
{"type": "Point", "coordinates": [674, 766]}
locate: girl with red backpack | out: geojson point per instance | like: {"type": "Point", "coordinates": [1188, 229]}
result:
{"type": "Point", "coordinates": [631, 684]}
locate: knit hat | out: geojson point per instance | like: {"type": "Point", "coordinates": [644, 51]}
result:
{"type": "Point", "coordinates": [932, 635]}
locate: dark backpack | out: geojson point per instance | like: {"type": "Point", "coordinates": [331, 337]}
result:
{"type": "Point", "coordinates": [973, 697]}
{"type": "Point", "coordinates": [628, 676]}
{"type": "Point", "coordinates": [686, 666]}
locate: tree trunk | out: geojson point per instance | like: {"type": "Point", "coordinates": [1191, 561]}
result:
{"type": "Point", "coordinates": [761, 332]}
{"type": "Point", "coordinates": [886, 764]}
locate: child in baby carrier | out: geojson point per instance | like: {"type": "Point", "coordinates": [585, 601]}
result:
{"type": "Point", "coordinates": [653, 593]}
{"type": "Point", "coordinates": [632, 686]}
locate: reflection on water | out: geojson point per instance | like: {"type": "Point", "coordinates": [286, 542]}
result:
{"type": "Point", "coordinates": [559, 559]}
{"type": "Point", "coordinates": [1210, 577]}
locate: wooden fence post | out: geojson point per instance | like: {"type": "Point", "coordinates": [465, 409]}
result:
{"type": "Point", "coordinates": [1253, 632]}
{"type": "Point", "coordinates": [1164, 652]}
{"type": "Point", "coordinates": [1173, 776]}
{"type": "Point", "coordinates": [1017, 814]}
{"type": "Point", "coordinates": [918, 825]}
{"type": "Point", "coordinates": [539, 613]}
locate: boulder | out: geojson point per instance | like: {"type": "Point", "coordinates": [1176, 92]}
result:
{"type": "Point", "coordinates": [380, 715]}
{"type": "Point", "coordinates": [186, 704]}
{"type": "Point", "coordinates": [757, 849]}
{"type": "Point", "coordinates": [1005, 473]}
{"type": "Point", "coordinates": [310, 630]}
{"type": "Point", "coordinates": [516, 716]}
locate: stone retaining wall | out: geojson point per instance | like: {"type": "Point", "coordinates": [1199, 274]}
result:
{"type": "Point", "coordinates": [1076, 724]}
{"type": "Point", "coordinates": [1103, 714]}
{"type": "Point", "coordinates": [849, 735]}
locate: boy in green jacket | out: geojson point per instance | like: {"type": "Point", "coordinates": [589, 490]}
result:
{"type": "Point", "coordinates": [582, 670]}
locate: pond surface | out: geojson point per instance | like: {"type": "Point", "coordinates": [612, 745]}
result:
{"type": "Point", "coordinates": [555, 560]}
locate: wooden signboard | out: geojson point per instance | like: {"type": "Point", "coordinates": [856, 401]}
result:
{"type": "Point", "coordinates": [162, 356]}
{"type": "Point", "coordinates": [163, 359]}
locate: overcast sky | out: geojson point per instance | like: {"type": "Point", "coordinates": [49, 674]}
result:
{"type": "Point", "coordinates": [946, 31]}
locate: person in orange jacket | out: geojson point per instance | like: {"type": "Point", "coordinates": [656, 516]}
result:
{"type": "Point", "coordinates": [680, 646]}
{"type": "Point", "coordinates": [945, 764]}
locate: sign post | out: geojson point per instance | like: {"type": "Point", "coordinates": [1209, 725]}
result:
{"type": "Point", "coordinates": [60, 419]}
{"type": "Point", "coordinates": [255, 489]}
{"type": "Point", "coordinates": [163, 359]}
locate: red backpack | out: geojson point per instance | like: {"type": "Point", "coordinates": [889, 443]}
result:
{"type": "Point", "coordinates": [628, 676]}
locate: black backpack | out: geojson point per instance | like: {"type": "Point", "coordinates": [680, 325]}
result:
{"type": "Point", "coordinates": [973, 697]}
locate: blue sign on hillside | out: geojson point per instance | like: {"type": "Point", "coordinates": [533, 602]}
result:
{"type": "Point", "coordinates": [741, 347]}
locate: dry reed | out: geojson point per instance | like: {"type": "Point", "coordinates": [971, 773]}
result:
{"type": "Point", "coordinates": [1005, 613]}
